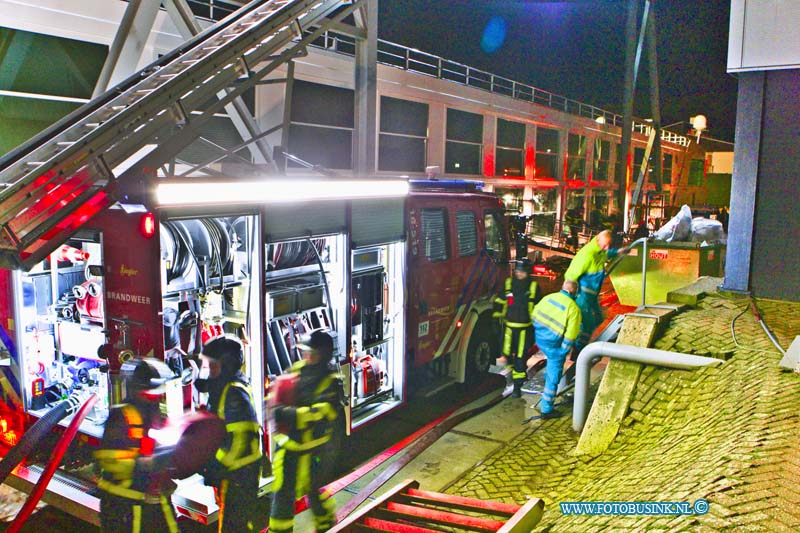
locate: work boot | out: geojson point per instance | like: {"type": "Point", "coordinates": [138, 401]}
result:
{"type": "Point", "coordinates": [555, 413]}
{"type": "Point", "coordinates": [517, 393]}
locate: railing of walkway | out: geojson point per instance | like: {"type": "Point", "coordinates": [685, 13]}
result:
{"type": "Point", "coordinates": [417, 61]}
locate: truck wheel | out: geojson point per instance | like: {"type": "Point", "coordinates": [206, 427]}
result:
{"type": "Point", "coordinates": [481, 352]}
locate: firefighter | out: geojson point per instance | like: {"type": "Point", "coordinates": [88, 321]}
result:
{"type": "Point", "coordinates": [557, 321]}
{"type": "Point", "coordinates": [235, 469]}
{"type": "Point", "coordinates": [515, 307]}
{"type": "Point", "coordinates": [303, 429]}
{"type": "Point", "coordinates": [135, 480]}
{"type": "Point", "coordinates": [587, 269]}
{"type": "Point", "coordinates": [573, 218]}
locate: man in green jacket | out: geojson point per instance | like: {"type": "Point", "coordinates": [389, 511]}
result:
{"type": "Point", "coordinates": [557, 321]}
{"type": "Point", "coordinates": [587, 269]}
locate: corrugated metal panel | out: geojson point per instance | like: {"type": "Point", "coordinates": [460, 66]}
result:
{"type": "Point", "coordinates": [377, 221]}
{"type": "Point", "coordinates": [293, 221]}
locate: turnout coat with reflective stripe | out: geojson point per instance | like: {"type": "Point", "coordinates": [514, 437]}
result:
{"type": "Point", "coordinates": [557, 322]}
{"type": "Point", "coordinates": [241, 446]}
{"type": "Point", "coordinates": [317, 403]}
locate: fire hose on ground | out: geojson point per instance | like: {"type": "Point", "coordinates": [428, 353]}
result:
{"type": "Point", "coordinates": [409, 454]}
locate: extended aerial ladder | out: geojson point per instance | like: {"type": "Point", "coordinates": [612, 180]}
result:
{"type": "Point", "coordinates": [405, 508]}
{"type": "Point", "coordinates": [61, 178]}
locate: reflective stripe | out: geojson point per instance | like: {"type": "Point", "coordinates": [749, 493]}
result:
{"type": "Point", "coordinates": [123, 491]}
{"type": "Point", "coordinates": [243, 425]}
{"type": "Point", "coordinates": [134, 420]}
{"type": "Point", "coordinates": [136, 527]}
{"type": "Point", "coordinates": [294, 446]}
{"type": "Point", "coordinates": [550, 323]}
{"type": "Point", "coordinates": [223, 493]}
{"type": "Point", "coordinates": [520, 325]}
{"type": "Point", "coordinates": [587, 289]}
{"type": "Point", "coordinates": [558, 305]}
{"type": "Point", "coordinates": [242, 431]}
{"type": "Point", "coordinates": [166, 508]}
{"type": "Point", "coordinates": [281, 525]}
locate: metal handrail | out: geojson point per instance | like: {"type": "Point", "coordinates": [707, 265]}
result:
{"type": "Point", "coordinates": [420, 62]}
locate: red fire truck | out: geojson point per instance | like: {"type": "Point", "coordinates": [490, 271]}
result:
{"type": "Point", "coordinates": [405, 280]}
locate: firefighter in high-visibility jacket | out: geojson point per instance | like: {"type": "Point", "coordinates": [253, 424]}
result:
{"type": "Point", "coordinates": [515, 307]}
{"type": "Point", "coordinates": [302, 431]}
{"type": "Point", "coordinates": [587, 269]}
{"type": "Point", "coordinates": [557, 321]}
{"type": "Point", "coordinates": [135, 481]}
{"type": "Point", "coordinates": [234, 470]}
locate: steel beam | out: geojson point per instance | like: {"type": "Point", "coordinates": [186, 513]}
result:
{"type": "Point", "coordinates": [237, 110]}
{"type": "Point", "coordinates": [128, 45]}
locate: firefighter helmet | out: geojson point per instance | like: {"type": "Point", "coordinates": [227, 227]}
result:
{"type": "Point", "coordinates": [226, 349]}
{"type": "Point", "coordinates": [319, 341]}
{"type": "Point", "coordinates": [147, 376]}
{"type": "Point", "coordinates": [523, 265]}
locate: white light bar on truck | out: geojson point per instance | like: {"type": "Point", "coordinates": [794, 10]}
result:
{"type": "Point", "coordinates": [276, 191]}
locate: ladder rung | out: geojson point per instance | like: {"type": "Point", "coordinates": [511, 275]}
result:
{"type": "Point", "coordinates": [404, 512]}
{"type": "Point", "coordinates": [376, 524]}
{"type": "Point", "coordinates": [91, 124]}
{"type": "Point", "coordinates": [217, 47]}
{"type": "Point", "coordinates": [190, 61]}
{"type": "Point", "coordinates": [34, 163]}
{"type": "Point", "coordinates": [65, 143]}
{"type": "Point", "coordinates": [167, 75]}
{"type": "Point", "coordinates": [143, 91]}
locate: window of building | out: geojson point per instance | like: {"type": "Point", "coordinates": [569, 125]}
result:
{"type": "Point", "coordinates": [599, 207]}
{"type": "Point", "coordinates": [697, 170]}
{"type": "Point", "coordinates": [544, 211]}
{"type": "Point", "coordinates": [575, 199]}
{"type": "Point", "coordinates": [464, 146]}
{"type": "Point", "coordinates": [322, 115]}
{"type": "Point", "coordinates": [495, 243]}
{"type": "Point", "coordinates": [510, 152]}
{"type": "Point", "coordinates": [403, 137]}
{"type": "Point", "coordinates": [546, 153]}
{"type": "Point", "coordinates": [576, 156]}
{"type": "Point", "coordinates": [467, 233]}
{"type": "Point", "coordinates": [602, 155]}
{"type": "Point", "coordinates": [434, 234]}
{"type": "Point", "coordinates": [666, 168]}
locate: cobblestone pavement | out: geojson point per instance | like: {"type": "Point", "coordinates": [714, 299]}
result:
{"type": "Point", "coordinates": [728, 434]}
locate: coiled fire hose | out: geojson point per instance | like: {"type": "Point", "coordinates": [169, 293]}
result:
{"type": "Point", "coordinates": [35, 433]}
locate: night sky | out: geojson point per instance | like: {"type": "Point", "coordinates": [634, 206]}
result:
{"type": "Point", "coordinates": [577, 49]}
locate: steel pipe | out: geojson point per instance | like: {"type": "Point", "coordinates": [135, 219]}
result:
{"type": "Point", "coordinates": [624, 352]}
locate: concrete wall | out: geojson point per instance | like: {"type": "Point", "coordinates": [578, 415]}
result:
{"type": "Point", "coordinates": [775, 271]}
{"type": "Point", "coordinates": [763, 35]}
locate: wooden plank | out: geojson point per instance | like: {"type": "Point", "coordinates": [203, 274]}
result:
{"type": "Point", "coordinates": [526, 518]}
